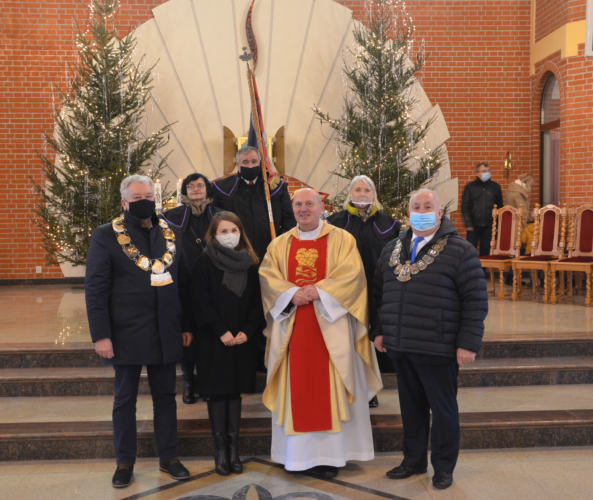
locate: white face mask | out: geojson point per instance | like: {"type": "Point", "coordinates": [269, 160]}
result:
{"type": "Point", "coordinates": [230, 240]}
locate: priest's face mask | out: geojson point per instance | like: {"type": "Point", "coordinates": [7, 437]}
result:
{"type": "Point", "coordinates": [249, 166]}
{"type": "Point", "coordinates": [307, 207]}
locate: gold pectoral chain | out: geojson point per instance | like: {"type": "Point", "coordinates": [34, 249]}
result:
{"type": "Point", "coordinates": [405, 271]}
{"type": "Point", "coordinates": [158, 266]}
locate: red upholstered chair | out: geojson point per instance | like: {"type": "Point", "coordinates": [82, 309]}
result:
{"type": "Point", "coordinates": [506, 232]}
{"type": "Point", "coordinates": [580, 251]}
{"type": "Point", "coordinates": [547, 247]}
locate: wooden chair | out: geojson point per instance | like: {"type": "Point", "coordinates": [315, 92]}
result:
{"type": "Point", "coordinates": [547, 247]}
{"type": "Point", "coordinates": [580, 251]}
{"type": "Point", "coordinates": [503, 247]}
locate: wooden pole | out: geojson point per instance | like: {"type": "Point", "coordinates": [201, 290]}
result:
{"type": "Point", "coordinates": [255, 117]}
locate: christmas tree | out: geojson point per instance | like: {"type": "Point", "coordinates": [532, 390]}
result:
{"type": "Point", "coordinates": [98, 139]}
{"type": "Point", "coordinates": [376, 135]}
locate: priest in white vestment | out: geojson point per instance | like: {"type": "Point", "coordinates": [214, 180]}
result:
{"type": "Point", "coordinates": [322, 370]}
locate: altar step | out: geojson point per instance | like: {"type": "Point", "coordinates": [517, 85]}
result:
{"type": "Point", "coordinates": [39, 382]}
{"type": "Point", "coordinates": [81, 355]}
{"type": "Point", "coordinates": [87, 440]}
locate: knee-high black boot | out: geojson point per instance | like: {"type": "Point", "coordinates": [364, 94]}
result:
{"type": "Point", "coordinates": [217, 412]}
{"type": "Point", "coordinates": [233, 425]}
{"type": "Point", "coordinates": [187, 371]}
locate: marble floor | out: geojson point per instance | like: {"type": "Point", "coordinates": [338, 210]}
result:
{"type": "Point", "coordinates": [471, 399]}
{"type": "Point", "coordinates": [511, 474]}
{"type": "Point", "coordinates": [56, 314]}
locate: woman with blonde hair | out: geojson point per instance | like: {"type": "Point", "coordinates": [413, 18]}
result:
{"type": "Point", "coordinates": [372, 229]}
{"type": "Point", "coordinates": [228, 314]}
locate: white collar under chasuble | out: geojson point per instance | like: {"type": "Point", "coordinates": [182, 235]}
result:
{"type": "Point", "coordinates": [310, 235]}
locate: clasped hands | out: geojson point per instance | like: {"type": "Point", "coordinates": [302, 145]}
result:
{"type": "Point", "coordinates": [228, 339]}
{"type": "Point", "coordinates": [305, 295]}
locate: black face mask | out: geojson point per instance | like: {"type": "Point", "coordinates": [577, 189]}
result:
{"type": "Point", "coordinates": [143, 209]}
{"type": "Point", "coordinates": [250, 174]}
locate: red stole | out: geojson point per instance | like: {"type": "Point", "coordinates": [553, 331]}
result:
{"type": "Point", "coordinates": [309, 358]}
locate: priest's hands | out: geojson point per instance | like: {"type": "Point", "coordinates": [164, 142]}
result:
{"type": "Point", "coordinates": [305, 295]}
{"type": "Point", "coordinates": [241, 338]}
{"type": "Point", "coordinates": [228, 339]}
{"type": "Point", "coordinates": [187, 337]}
{"type": "Point", "coordinates": [378, 343]}
{"type": "Point", "coordinates": [104, 348]}
{"type": "Point", "coordinates": [300, 298]}
{"type": "Point", "coordinates": [465, 357]}
{"type": "Point", "coordinates": [311, 292]}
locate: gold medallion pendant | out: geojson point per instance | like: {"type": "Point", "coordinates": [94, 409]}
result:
{"type": "Point", "coordinates": [143, 263]}
{"type": "Point", "coordinates": [124, 239]}
{"type": "Point", "coordinates": [158, 267]}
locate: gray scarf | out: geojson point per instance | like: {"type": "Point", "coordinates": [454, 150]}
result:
{"type": "Point", "coordinates": [234, 264]}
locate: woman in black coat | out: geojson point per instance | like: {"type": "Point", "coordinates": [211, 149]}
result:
{"type": "Point", "coordinates": [228, 314]}
{"type": "Point", "coordinates": [372, 230]}
{"type": "Point", "coordinates": [193, 217]}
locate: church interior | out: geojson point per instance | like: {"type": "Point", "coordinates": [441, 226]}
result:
{"type": "Point", "coordinates": [508, 83]}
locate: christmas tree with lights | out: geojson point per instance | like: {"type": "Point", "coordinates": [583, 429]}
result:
{"type": "Point", "coordinates": [98, 139]}
{"type": "Point", "coordinates": [376, 134]}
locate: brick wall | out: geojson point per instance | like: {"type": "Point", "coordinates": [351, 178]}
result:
{"type": "Point", "coordinates": [478, 72]}
{"type": "Point", "coordinates": [575, 78]}
{"type": "Point", "coordinates": [552, 14]}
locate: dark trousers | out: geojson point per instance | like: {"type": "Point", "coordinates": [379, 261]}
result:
{"type": "Point", "coordinates": [483, 235]}
{"type": "Point", "coordinates": [422, 388]}
{"type": "Point", "coordinates": [161, 379]}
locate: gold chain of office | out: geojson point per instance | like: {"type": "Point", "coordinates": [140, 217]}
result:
{"type": "Point", "coordinates": [158, 266]}
{"type": "Point", "coordinates": [405, 271]}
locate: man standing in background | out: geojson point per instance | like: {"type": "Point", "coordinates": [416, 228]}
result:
{"type": "Point", "coordinates": [479, 198]}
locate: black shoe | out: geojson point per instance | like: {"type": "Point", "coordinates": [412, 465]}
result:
{"type": "Point", "coordinates": [442, 480]}
{"type": "Point", "coordinates": [404, 472]}
{"type": "Point", "coordinates": [187, 372]}
{"type": "Point", "coordinates": [324, 471]}
{"type": "Point", "coordinates": [233, 425]}
{"type": "Point", "coordinates": [374, 403]}
{"type": "Point", "coordinates": [123, 476]}
{"type": "Point", "coordinates": [217, 412]}
{"type": "Point", "coordinates": [175, 469]}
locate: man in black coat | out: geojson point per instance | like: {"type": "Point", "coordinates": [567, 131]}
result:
{"type": "Point", "coordinates": [428, 311]}
{"type": "Point", "coordinates": [134, 275]}
{"type": "Point", "coordinates": [479, 198]}
{"type": "Point", "coordinates": [243, 194]}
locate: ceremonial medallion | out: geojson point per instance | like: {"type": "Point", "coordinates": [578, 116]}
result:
{"type": "Point", "coordinates": [170, 235]}
{"type": "Point", "coordinates": [170, 246]}
{"type": "Point", "coordinates": [404, 275]}
{"type": "Point", "coordinates": [124, 239]}
{"type": "Point", "coordinates": [414, 269]}
{"type": "Point", "coordinates": [161, 279]}
{"type": "Point", "coordinates": [163, 224]}
{"type": "Point", "coordinates": [131, 250]}
{"type": "Point", "coordinates": [158, 267]}
{"type": "Point", "coordinates": [143, 263]}
{"type": "Point", "coordinates": [422, 265]}
{"type": "Point", "coordinates": [428, 259]}
{"type": "Point", "coordinates": [168, 259]}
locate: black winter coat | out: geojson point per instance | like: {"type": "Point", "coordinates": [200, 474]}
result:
{"type": "Point", "coordinates": [249, 204]}
{"type": "Point", "coordinates": [478, 201]}
{"type": "Point", "coordinates": [144, 322]}
{"type": "Point", "coordinates": [182, 218]}
{"type": "Point", "coordinates": [439, 309]}
{"type": "Point", "coordinates": [370, 235]}
{"type": "Point", "coordinates": [225, 369]}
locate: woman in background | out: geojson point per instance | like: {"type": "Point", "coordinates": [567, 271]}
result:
{"type": "Point", "coordinates": [193, 217]}
{"type": "Point", "coordinates": [228, 314]}
{"type": "Point", "coordinates": [372, 229]}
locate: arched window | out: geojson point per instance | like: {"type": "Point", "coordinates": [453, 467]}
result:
{"type": "Point", "coordinates": [550, 143]}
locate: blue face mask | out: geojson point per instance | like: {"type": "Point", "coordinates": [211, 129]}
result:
{"type": "Point", "coordinates": [485, 177]}
{"type": "Point", "coordinates": [423, 222]}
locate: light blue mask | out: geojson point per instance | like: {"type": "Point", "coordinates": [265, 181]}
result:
{"type": "Point", "coordinates": [423, 222]}
{"type": "Point", "coordinates": [485, 177]}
